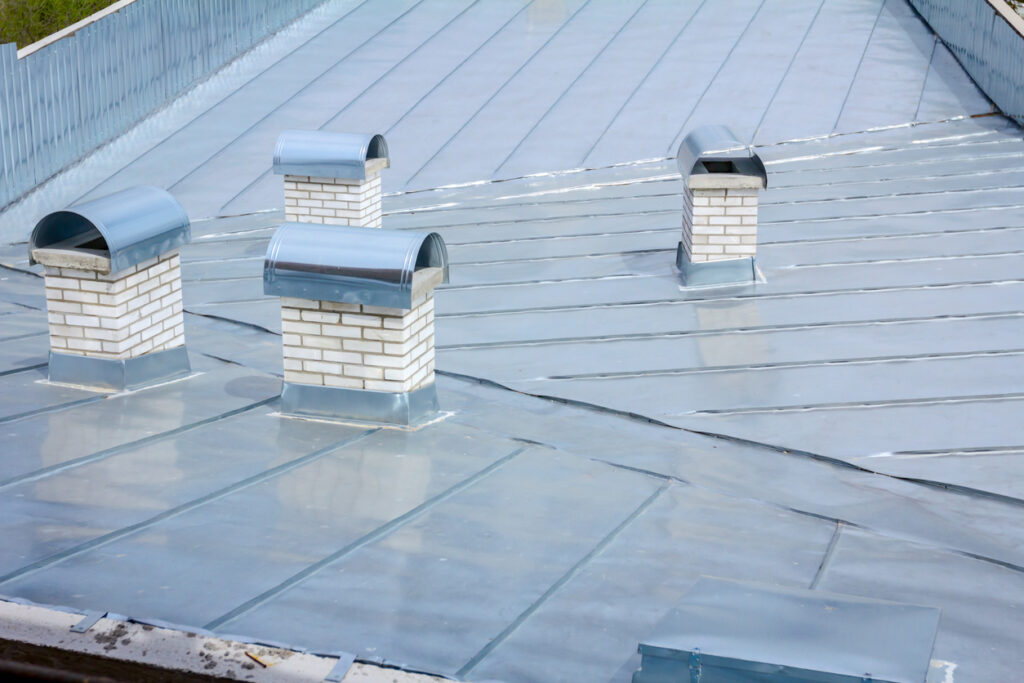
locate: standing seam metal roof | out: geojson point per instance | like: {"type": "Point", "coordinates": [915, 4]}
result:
{"type": "Point", "coordinates": [850, 424]}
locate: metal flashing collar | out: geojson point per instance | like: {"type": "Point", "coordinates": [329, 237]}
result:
{"type": "Point", "coordinates": [337, 403]}
{"type": "Point", "coordinates": [327, 155]}
{"type": "Point", "coordinates": [131, 226]}
{"type": "Point", "coordinates": [350, 264]}
{"type": "Point", "coordinates": [119, 374]}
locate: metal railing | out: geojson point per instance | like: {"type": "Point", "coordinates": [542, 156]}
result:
{"type": "Point", "coordinates": [987, 36]}
{"type": "Point", "coordinates": [67, 98]}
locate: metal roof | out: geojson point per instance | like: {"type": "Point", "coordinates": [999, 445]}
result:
{"type": "Point", "coordinates": [466, 91]}
{"type": "Point", "coordinates": [851, 423]}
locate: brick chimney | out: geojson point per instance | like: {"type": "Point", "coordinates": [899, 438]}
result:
{"type": "Point", "coordinates": [113, 289]}
{"type": "Point", "coordinates": [357, 320]}
{"type": "Point", "coordinates": [331, 178]}
{"type": "Point", "coordinates": [722, 178]}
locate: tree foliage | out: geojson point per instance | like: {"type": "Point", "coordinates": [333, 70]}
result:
{"type": "Point", "coordinates": [26, 21]}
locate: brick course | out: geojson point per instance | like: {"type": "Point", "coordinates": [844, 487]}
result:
{"type": "Point", "coordinates": [358, 347]}
{"type": "Point", "coordinates": [333, 201]}
{"type": "Point", "coordinates": [120, 315]}
{"type": "Point", "coordinates": [719, 224]}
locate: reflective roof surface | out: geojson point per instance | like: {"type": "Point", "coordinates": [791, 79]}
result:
{"type": "Point", "coordinates": [851, 423]}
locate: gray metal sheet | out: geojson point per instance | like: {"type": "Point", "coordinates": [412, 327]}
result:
{"type": "Point", "coordinates": [409, 408]}
{"type": "Point", "coordinates": [900, 243]}
{"type": "Point", "coordinates": [811, 345]}
{"type": "Point", "coordinates": [915, 432]}
{"type": "Point", "coordinates": [758, 62]}
{"type": "Point", "coordinates": [125, 486]}
{"type": "Point", "coordinates": [896, 62]}
{"type": "Point", "coordinates": [980, 618]}
{"type": "Point", "coordinates": [325, 501]}
{"type": "Point", "coordinates": [959, 144]}
{"type": "Point", "coordinates": [57, 437]}
{"type": "Point", "coordinates": [842, 30]}
{"type": "Point", "coordinates": [665, 317]}
{"type": "Point", "coordinates": [455, 84]}
{"type": "Point", "coordinates": [398, 29]}
{"type": "Point", "coordinates": [588, 105]}
{"type": "Point", "coordinates": [898, 224]}
{"type": "Point", "coordinates": [244, 344]}
{"type": "Point", "coordinates": [705, 392]}
{"type": "Point", "coordinates": [981, 525]}
{"type": "Point", "coordinates": [34, 394]}
{"type": "Point", "coordinates": [23, 353]}
{"type": "Point", "coordinates": [490, 570]}
{"type": "Point", "coordinates": [738, 629]}
{"type": "Point", "coordinates": [708, 535]}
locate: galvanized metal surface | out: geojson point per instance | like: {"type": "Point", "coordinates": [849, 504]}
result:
{"type": "Point", "coordinates": [349, 264]}
{"type": "Point", "coordinates": [465, 91]}
{"type": "Point", "coordinates": [327, 155]}
{"type": "Point", "coordinates": [66, 99]}
{"type": "Point", "coordinates": [849, 424]}
{"type": "Point", "coordinates": [714, 273]}
{"type": "Point", "coordinates": [729, 631]}
{"type": "Point", "coordinates": [119, 374]}
{"type": "Point", "coordinates": [988, 44]}
{"type": "Point", "coordinates": [336, 403]}
{"type": "Point", "coordinates": [528, 539]}
{"type": "Point", "coordinates": [135, 224]}
{"type": "Point", "coordinates": [717, 143]}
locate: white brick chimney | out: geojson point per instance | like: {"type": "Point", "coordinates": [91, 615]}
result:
{"type": "Point", "coordinates": [113, 289]}
{"type": "Point", "coordinates": [331, 178]}
{"type": "Point", "coordinates": [327, 343]}
{"type": "Point", "coordinates": [720, 216]}
{"type": "Point", "coordinates": [722, 178]}
{"type": "Point", "coordinates": [357, 320]}
{"type": "Point", "coordinates": [126, 314]}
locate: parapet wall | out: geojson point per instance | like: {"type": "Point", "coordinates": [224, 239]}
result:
{"type": "Point", "coordinates": [987, 37]}
{"type": "Point", "coordinates": [65, 96]}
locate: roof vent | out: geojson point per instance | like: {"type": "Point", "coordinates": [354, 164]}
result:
{"type": "Point", "coordinates": [357, 316]}
{"type": "Point", "coordinates": [721, 179]}
{"type": "Point", "coordinates": [331, 178]}
{"type": "Point", "coordinates": [725, 631]}
{"type": "Point", "coordinates": [113, 289]}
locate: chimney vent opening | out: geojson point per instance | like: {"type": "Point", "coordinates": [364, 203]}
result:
{"type": "Point", "coordinates": [720, 167]}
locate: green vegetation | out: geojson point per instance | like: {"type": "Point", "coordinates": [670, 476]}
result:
{"type": "Point", "coordinates": [26, 21]}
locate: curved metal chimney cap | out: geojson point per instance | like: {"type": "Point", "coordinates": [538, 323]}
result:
{"type": "Point", "coordinates": [350, 264]}
{"type": "Point", "coordinates": [135, 225]}
{"type": "Point", "coordinates": [718, 143]}
{"type": "Point", "coordinates": [327, 155]}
